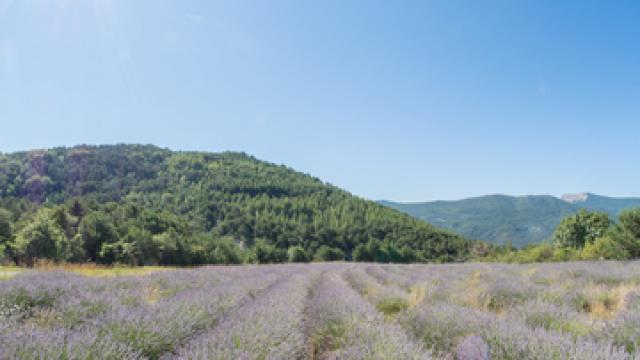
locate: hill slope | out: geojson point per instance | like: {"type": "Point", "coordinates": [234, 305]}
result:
{"type": "Point", "coordinates": [612, 206]}
{"type": "Point", "coordinates": [105, 199]}
{"type": "Point", "coordinates": [501, 218]}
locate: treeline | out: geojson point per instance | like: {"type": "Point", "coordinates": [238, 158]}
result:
{"type": "Point", "coordinates": [587, 235]}
{"type": "Point", "coordinates": [139, 204]}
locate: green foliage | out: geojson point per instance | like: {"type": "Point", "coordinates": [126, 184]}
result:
{"type": "Point", "coordinates": [384, 251]}
{"type": "Point", "coordinates": [151, 343]}
{"type": "Point", "coordinates": [503, 297]}
{"type": "Point", "coordinates": [627, 231]}
{"type": "Point", "coordinates": [97, 229]}
{"type": "Point", "coordinates": [529, 254]}
{"type": "Point", "coordinates": [6, 226]}
{"type": "Point", "coordinates": [225, 251]}
{"type": "Point", "coordinates": [581, 229]}
{"type": "Point", "coordinates": [43, 238]}
{"type": "Point", "coordinates": [119, 252]}
{"type": "Point", "coordinates": [605, 248]}
{"type": "Point", "coordinates": [26, 301]}
{"type": "Point", "coordinates": [6, 231]}
{"type": "Point", "coordinates": [392, 305]}
{"type": "Point", "coordinates": [297, 254]}
{"type": "Point", "coordinates": [139, 204]}
{"type": "Point", "coordinates": [364, 252]}
{"type": "Point", "coordinates": [265, 253]}
{"type": "Point", "coordinates": [565, 254]}
{"type": "Point", "coordinates": [170, 247]}
{"type": "Point", "coordinates": [326, 253]}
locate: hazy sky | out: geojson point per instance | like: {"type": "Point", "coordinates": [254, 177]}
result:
{"type": "Point", "coordinates": [402, 100]}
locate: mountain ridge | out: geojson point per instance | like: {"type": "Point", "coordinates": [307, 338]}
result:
{"type": "Point", "coordinates": [500, 218]}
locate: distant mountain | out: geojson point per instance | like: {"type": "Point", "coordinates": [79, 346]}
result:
{"type": "Point", "coordinates": [501, 218]}
{"type": "Point", "coordinates": [611, 205]}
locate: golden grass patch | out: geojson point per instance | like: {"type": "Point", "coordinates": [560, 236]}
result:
{"type": "Point", "coordinates": [472, 290]}
{"type": "Point", "coordinates": [86, 269]}
{"type": "Point", "coordinates": [417, 294]}
{"type": "Point", "coordinates": [7, 272]}
{"type": "Point", "coordinates": [531, 271]}
{"type": "Point", "coordinates": [605, 302]}
{"type": "Point", "coordinates": [118, 271]}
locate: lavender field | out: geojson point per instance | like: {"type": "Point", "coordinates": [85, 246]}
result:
{"type": "Point", "coordinates": [328, 311]}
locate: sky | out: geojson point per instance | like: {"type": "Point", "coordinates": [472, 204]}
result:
{"type": "Point", "coordinates": [400, 100]}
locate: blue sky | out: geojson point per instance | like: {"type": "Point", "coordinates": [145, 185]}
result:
{"type": "Point", "coordinates": [402, 100]}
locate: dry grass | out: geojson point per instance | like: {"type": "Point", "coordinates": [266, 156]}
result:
{"type": "Point", "coordinates": [117, 271]}
{"type": "Point", "coordinates": [472, 291]}
{"type": "Point", "coordinates": [604, 302]}
{"type": "Point", "coordinates": [88, 269]}
{"type": "Point", "coordinates": [7, 272]}
{"type": "Point", "coordinates": [417, 295]}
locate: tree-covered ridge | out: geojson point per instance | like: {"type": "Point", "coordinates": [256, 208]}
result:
{"type": "Point", "coordinates": [515, 220]}
{"type": "Point", "coordinates": [144, 204]}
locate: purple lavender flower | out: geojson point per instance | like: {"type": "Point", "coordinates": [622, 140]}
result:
{"type": "Point", "coordinates": [328, 311]}
{"type": "Point", "coordinates": [472, 348]}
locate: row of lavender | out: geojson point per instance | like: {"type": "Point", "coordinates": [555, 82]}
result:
{"type": "Point", "coordinates": [60, 315]}
{"type": "Point", "coordinates": [328, 311]}
{"type": "Point", "coordinates": [479, 311]}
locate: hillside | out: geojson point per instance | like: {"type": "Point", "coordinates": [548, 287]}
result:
{"type": "Point", "coordinates": [144, 204]}
{"type": "Point", "coordinates": [501, 218]}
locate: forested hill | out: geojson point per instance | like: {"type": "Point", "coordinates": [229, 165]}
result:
{"type": "Point", "coordinates": [143, 204]}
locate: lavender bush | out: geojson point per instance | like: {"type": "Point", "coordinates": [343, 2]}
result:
{"type": "Point", "coordinates": [586, 310]}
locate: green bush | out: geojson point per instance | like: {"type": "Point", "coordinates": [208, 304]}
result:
{"type": "Point", "coordinates": [604, 248]}
{"type": "Point", "coordinates": [224, 251]}
{"type": "Point", "coordinates": [383, 251]}
{"type": "Point", "coordinates": [326, 253]}
{"type": "Point", "coordinates": [297, 254]}
{"type": "Point", "coordinates": [43, 238]}
{"type": "Point", "coordinates": [265, 253]}
{"type": "Point", "coordinates": [392, 305]}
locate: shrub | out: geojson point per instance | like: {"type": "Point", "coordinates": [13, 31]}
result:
{"type": "Point", "coordinates": [500, 296]}
{"type": "Point", "coordinates": [565, 254]}
{"type": "Point", "coordinates": [392, 305]}
{"type": "Point", "coordinates": [297, 254]}
{"type": "Point", "coordinates": [604, 248]}
{"type": "Point", "coordinates": [43, 238]}
{"type": "Point", "coordinates": [265, 253]}
{"type": "Point", "coordinates": [225, 251]}
{"type": "Point", "coordinates": [326, 253]}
